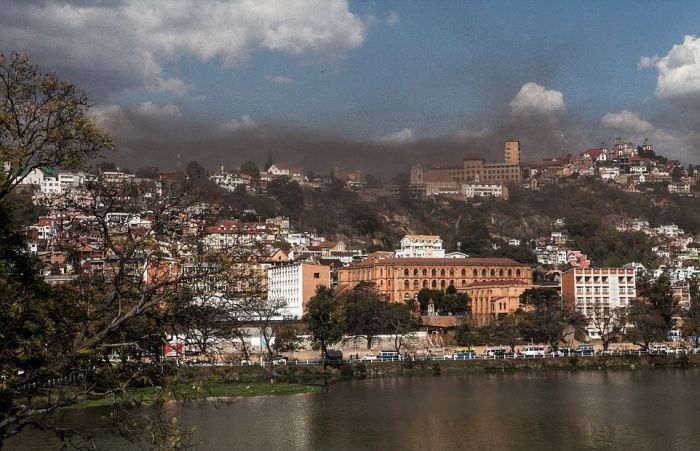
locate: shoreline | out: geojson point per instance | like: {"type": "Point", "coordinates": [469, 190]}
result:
{"type": "Point", "coordinates": [212, 383]}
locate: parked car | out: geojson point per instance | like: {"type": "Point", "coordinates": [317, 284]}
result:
{"type": "Point", "coordinates": [658, 349]}
{"type": "Point", "coordinates": [244, 362]}
{"type": "Point", "coordinates": [279, 361]}
{"type": "Point", "coordinates": [495, 352]}
{"type": "Point", "coordinates": [333, 356]}
{"type": "Point", "coordinates": [369, 358]}
{"type": "Point", "coordinates": [585, 350]}
{"type": "Point", "coordinates": [464, 354]}
{"type": "Point", "coordinates": [532, 351]}
{"type": "Point", "coordinates": [388, 356]}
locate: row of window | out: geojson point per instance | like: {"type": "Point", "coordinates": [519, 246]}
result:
{"type": "Point", "coordinates": [451, 272]}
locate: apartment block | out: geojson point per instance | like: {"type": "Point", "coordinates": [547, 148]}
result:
{"type": "Point", "coordinates": [295, 284]}
{"type": "Point", "coordinates": [596, 292]}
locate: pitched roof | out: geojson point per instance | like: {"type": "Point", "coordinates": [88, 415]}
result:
{"type": "Point", "coordinates": [497, 283]}
{"type": "Point", "coordinates": [472, 261]}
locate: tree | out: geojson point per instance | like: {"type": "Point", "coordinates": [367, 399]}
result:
{"type": "Point", "coordinates": [44, 121]}
{"type": "Point", "coordinates": [606, 323]}
{"type": "Point", "coordinates": [425, 295]}
{"type": "Point", "coordinates": [323, 319]}
{"type": "Point", "coordinates": [364, 309]}
{"type": "Point", "coordinates": [286, 340]}
{"type": "Point", "coordinates": [548, 321]}
{"type": "Point", "coordinates": [195, 170]}
{"type": "Point", "coordinates": [251, 169]}
{"type": "Point", "coordinates": [507, 329]}
{"type": "Point", "coordinates": [399, 320]}
{"type": "Point", "coordinates": [289, 194]}
{"type": "Point", "coordinates": [466, 334]}
{"type": "Point", "coordinates": [691, 317]}
{"type": "Point", "coordinates": [648, 324]}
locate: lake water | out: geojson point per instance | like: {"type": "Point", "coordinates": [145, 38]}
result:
{"type": "Point", "coordinates": [584, 410]}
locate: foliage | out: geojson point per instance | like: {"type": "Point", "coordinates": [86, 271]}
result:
{"type": "Point", "coordinates": [323, 319]}
{"type": "Point", "coordinates": [546, 320]}
{"type": "Point", "coordinates": [286, 340]}
{"type": "Point", "coordinates": [251, 169]}
{"type": "Point", "coordinates": [364, 309]}
{"type": "Point", "coordinates": [43, 122]}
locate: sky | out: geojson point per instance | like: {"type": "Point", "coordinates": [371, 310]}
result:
{"type": "Point", "coordinates": [373, 85]}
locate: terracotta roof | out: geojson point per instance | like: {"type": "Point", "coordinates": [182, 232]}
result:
{"type": "Point", "coordinates": [496, 283]}
{"type": "Point", "coordinates": [423, 237]}
{"type": "Point", "coordinates": [437, 177]}
{"type": "Point", "coordinates": [594, 152]}
{"type": "Point", "coordinates": [472, 261]}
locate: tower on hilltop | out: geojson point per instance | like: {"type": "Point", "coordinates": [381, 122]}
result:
{"type": "Point", "coordinates": [512, 152]}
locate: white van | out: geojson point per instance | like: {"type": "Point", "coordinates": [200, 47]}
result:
{"type": "Point", "coordinates": [533, 351]}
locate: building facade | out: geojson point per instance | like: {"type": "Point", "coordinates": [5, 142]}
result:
{"type": "Point", "coordinates": [492, 299]}
{"type": "Point", "coordinates": [596, 292]}
{"type": "Point", "coordinates": [421, 246]}
{"type": "Point", "coordinates": [403, 278]}
{"type": "Point", "coordinates": [295, 284]}
{"type": "Point", "coordinates": [471, 190]}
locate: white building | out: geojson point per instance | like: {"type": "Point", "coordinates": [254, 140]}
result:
{"type": "Point", "coordinates": [596, 292]}
{"type": "Point", "coordinates": [471, 190]}
{"type": "Point", "coordinates": [229, 181]}
{"type": "Point", "coordinates": [421, 246]}
{"type": "Point", "coordinates": [294, 284]}
{"type": "Point", "coordinates": [679, 188]}
{"type": "Point", "coordinates": [607, 173]}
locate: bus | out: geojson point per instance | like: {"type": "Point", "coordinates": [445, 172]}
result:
{"type": "Point", "coordinates": [464, 354]}
{"type": "Point", "coordinates": [388, 356]}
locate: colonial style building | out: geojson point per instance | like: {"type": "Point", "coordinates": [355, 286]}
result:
{"type": "Point", "coordinates": [491, 299]}
{"type": "Point", "coordinates": [403, 278]}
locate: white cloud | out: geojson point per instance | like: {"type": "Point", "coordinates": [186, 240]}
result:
{"type": "Point", "coordinates": [280, 79]}
{"type": "Point", "coordinates": [535, 100]}
{"type": "Point", "coordinates": [244, 123]}
{"type": "Point", "coordinates": [125, 44]}
{"type": "Point", "coordinates": [150, 109]}
{"type": "Point", "coordinates": [626, 121]}
{"type": "Point", "coordinates": [678, 71]}
{"type": "Point", "coordinates": [393, 18]}
{"type": "Point", "coordinates": [401, 137]}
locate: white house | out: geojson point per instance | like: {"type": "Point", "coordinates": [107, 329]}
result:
{"type": "Point", "coordinates": [421, 246]}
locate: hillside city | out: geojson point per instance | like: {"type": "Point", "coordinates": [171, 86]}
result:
{"type": "Point", "coordinates": [275, 251]}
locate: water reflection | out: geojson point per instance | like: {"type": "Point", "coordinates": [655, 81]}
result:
{"type": "Point", "coordinates": [587, 410]}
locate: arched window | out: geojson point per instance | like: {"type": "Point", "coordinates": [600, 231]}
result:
{"type": "Point", "coordinates": [442, 273]}
{"type": "Point", "coordinates": [425, 272]}
{"type": "Point", "coordinates": [442, 284]}
{"type": "Point", "coordinates": [405, 284]}
{"type": "Point", "coordinates": [464, 283]}
{"type": "Point", "coordinates": [483, 273]}
{"type": "Point", "coordinates": [452, 272]}
{"type": "Point", "coordinates": [405, 272]}
{"type": "Point", "coordinates": [434, 284]}
{"type": "Point", "coordinates": [464, 273]}
{"type": "Point", "coordinates": [500, 272]}
{"type": "Point", "coordinates": [415, 272]}
{"type": "Point", "coordinates": [475, 273]}
{"type": "Point", "coordinates": [493, 273]}
{"type": "Point", "coordinates": [510, 273]}
{"type": "Point", "coordinates": [517, 273]}
{"type": "Point", "coordinates": [452, 283]}
{"type": "Point", "coordinates": [415, 284]}
{"type": "Point", "coordinates": [425, 284]}
{"type": "Point", "coordinates": [433, 272]}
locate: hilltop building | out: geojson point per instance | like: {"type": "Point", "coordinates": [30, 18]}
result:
{"type": "Point", "coordinates": [473, 170]}
{"type": "Point", "coordinates": [421, 246]}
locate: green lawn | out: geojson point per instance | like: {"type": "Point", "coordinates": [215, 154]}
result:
{"type": "Point", "coordinates": [202, 391]}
